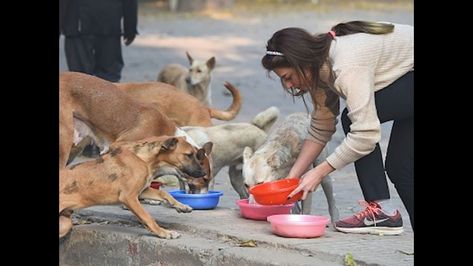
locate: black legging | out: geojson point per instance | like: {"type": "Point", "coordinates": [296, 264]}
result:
{"type": "Point", "coordinates": [395, 102]}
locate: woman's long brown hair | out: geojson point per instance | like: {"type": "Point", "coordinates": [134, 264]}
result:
{"type": "Point", "coordinates": [301, 50]}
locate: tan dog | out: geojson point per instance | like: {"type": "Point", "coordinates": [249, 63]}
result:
{"type": "Point", "coordinates": [125, 174]}
{"type": "Point", "coordinates": [273, 159]}
{"type": "Point", "coordinates": [107, 111]}
{"type": "Point", "coordinates": [180, 107]}
{"type": "Point", "coordinates": [194, 80]}
{"type": "Point", "coordinates": [194, 185]}
{"type": "Point", "coordinates": [106, 114]}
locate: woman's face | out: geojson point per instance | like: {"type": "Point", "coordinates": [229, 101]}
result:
{"type": "Point", "coordinates": [292, 81]}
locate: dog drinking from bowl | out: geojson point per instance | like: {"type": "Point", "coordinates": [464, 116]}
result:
{"type": "Point", "coordinates": [274, 158]}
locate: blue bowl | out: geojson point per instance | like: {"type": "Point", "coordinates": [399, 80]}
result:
{"type": "Point", "coordinates": [198, 201]}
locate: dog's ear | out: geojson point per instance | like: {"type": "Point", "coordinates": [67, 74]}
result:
{"type": "Point", "coordinates": [137, 147]}
{"type": "Point", "coordinates": [189, 57]}
{"type": "Point", "coordinates": [211, 63]}
{"type": "Point", "coordinates": [247, 152]}
{"type": "Point", "coordinates": [169, 144]}
{"type": "Point", "coordinates": [208, 148]}
{"type": "Point", "coordinates": [200, 154]}
{"type": "Point", "coordinates": [151, 145]}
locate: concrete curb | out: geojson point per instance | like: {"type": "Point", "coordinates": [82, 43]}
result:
{"type": "Point", "coordinates": [115, 237]}
{"type": "Point", "coordinates": [114, 245]}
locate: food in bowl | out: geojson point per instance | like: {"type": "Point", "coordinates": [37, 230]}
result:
{"type": "Point", "coordinates": [276, 192]}
{"type": "Point", "coordinates": [259, 212]}
{"type": "Point", "coordinates": [298, 226]}
{"type": "Point", "coordinates": [198, 201]}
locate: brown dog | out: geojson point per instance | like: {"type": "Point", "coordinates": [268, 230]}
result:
{"type": "Point", "coordinates": [108, 111]}
{"type": "Point", "coordinates": [180, 107]}
{"type": "Point", "coordinates": [124, 175]}
{"type": "Point", "coordinates": [108, 114]}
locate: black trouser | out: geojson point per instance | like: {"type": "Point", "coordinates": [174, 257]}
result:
{"type": "Point", "coordinates": [396, 103]}
{"type": "Point", "coordinates": [100, 56]}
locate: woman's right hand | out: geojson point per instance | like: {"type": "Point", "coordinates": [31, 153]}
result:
{"type": "Point", "coordinates": [312, 179]}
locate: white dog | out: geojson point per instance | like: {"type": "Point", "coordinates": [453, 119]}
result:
{"type": "Point", "coordinates": [273, 160]}
{"type": "Point", "coordinates": [194, 80]}
{"type": "Point", "coordinates": [229, 140]}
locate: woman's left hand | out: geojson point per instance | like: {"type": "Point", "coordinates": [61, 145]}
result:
{"type": "Point", "coordinates": [311, 180]}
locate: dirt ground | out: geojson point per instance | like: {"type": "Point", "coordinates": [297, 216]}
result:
{"type": "Point", "coordinates": [237, 39]}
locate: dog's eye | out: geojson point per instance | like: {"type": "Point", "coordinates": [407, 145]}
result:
{"type": "Point", "coordinates": [199, 71]}
{"type": "Point", "coordinates": [190, 155]}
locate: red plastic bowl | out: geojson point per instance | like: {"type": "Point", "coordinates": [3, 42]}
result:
{"type": "Point", "coordinates": [276, 192]}
{"type": "Point", "coordinates": [300, 226]}
{"type": "Point", "coordinates": [155, 185]}
{"type": "Point", "coordinates": [261, 212]}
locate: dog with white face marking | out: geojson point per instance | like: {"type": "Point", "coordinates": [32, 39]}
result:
{"type": "Point", "coordinates": [273, 159]}
{"type": "Point", "coordinates": [194, 80]}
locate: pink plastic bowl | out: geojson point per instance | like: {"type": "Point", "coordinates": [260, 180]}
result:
{"type": "Point", "coordinates": [300, 226]}
{"type": "Point", "coordinates": [261, 212]}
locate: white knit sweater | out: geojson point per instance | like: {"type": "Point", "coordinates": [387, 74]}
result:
{"type": "Point", "coordinates": [362, 64]}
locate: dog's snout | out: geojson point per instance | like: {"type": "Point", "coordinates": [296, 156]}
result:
{"type": "Point", "coordinates": [188, 79]}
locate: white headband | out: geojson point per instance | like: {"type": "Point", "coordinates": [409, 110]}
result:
{"type": "Point", "coordinates": [274, 53]}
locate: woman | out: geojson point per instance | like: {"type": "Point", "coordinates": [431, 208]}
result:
{"type": "Point", "coordinates": [371, 66]}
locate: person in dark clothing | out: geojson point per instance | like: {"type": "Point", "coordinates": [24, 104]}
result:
{"type": "Point", "coordinates": [92, 30]}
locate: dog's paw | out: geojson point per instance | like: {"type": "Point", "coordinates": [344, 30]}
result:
{"type": "Point", "coordinates": [183, 208]}
{"type": "Point", "coordinates": [168, 234]}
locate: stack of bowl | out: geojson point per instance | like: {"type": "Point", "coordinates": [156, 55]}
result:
{"type": "Point", "coordinates": [274, 206]}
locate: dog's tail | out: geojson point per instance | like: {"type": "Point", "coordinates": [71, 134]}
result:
{"type": "Point", "coordinates": [266, 119]}
{"type": "Point", "coordinates": [234, 108]}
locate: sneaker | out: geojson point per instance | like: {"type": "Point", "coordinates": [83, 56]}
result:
{"type": "Point", "coordinates": [371, 221]}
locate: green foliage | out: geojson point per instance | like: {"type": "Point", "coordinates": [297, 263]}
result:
{"type": "Point", "coordinates": [349, 261]}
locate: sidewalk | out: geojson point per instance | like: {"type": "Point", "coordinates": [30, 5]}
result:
{"type": "Point", "coordinates": [212, 237]}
